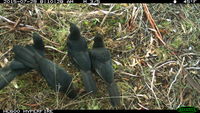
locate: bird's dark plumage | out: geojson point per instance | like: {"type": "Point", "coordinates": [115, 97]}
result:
{"type": "Point", "coordinates": [102, 65]}
{"type": "Point", "coordinates": [38, 43]}
{"type": "Point", "coordinates": [78, 53]}
{"type": "Point", "coordinates": [55, 76]}
{"type": "Point", "coordinates": [8, 73]}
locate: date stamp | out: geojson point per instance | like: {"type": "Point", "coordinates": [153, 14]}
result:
{"type": "Point", "coordinates": [32, 1]}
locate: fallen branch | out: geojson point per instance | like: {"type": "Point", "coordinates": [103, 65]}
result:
{"type": "Point", "coordinates": [153, 24]}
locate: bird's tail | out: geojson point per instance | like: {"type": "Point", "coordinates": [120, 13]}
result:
{"type": "Point", "coordinates": [25, 55]}
{"type": "Point", "coordinates": [7, 75]}
{"type": "Point", "coordinates": [88, 81]}
{"type": "Point", "coordinates": [16, 65]}
{"type": "Point", "coordinates": [71, 93]}
{"type": "Point", "coordinates": [114, 94]}
{"type": "Point", "coordinates": [38, 43]}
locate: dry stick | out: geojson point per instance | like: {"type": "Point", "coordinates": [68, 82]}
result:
{"type": "Point", "coordinates": [50, 41]}
{"type": "Point", "coordinates": [130, 105]}
{"type": "Point", "coordinates": [153, 24]}
{"type": "Point", "coordinates": [9, 21]}
{"type": "Point", "coordinates": [16, 24]}
{"type": "Point", "coordinates": [181, 97]}
{"type": "Point", "coordinates": [5, 32]}
{"type": "Point", "coordinates": [63, 59]}
{"type": "Point", "coordinates": [192, 54]}
{"type": "Point", "coordinates": [129, 74]}
{"type": "Point", "coordinates": [143, 106]}
{"type": "Point", "coordinates": [178, 73]}
{"type": "Point", "coordinates": [169, 62]}
{"type": "Point", "coordinates": [6, 53]}
{"type": "Point", "coordinates": [12, 28]}
{"type": "Point", "coordinates": [111, 7]}
{"type": "Point", "coordinates": [51, 47]}
{"type": "Point", "coordinates": [152, 86]}
{"type": "Point", "coordinates": [195, 68]}
{"type": "Point", "coordinates": [56, 44]}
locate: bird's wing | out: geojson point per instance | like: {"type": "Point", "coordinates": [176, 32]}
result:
{"type": "Point", "coordinates": [48, 70]}
{"type": "Point", "coordinates": [101, 54]}
{"type": "Point", "coordinates": [80, 56]}
{"type": "Point", "coordinates": [25, 56]}
{"type": "Point", "coordinates": [56, 77]}
{"type": "Point", "coordinates": [15, 65]}
{"type": "Point", "coordinates": [7, 75]}
{"type": "Point", "coordinates": [105, 71]}
{"type": "Point", "coordinates": [82, 59]}
{"type": "Point", "coordinates": [102, 64]}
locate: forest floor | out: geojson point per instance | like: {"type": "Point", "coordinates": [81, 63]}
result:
{"type": "Point", "coordinates": [154, 68]}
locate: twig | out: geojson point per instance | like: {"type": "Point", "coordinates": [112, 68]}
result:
{"type": "Point", "coordinates": [24, 25]}
{"type": "Point", "coordinates": [178, 73]}
{"type": "Point", "coordinates": [16, 24]}
{"type": "Point", "coordinates": [154, 94]}
{"type": "Point", "coordinates": [116, 62]}
{"type": "Point", "coordinates": [12, 28]}
{"type": "Point", "coordinates": [4, 32]}
{"type": "Point", "coordinates": [142, 106]}
{"type": "Point", "coordinates": [181, 97]}
{"type": "Point", "coordinates": [153, 24]}
{"type": "Point", "coordinates": [111, 7]}
{"type": "Point", "coordinates": [5, 53]}
{"type": "Point", "coordinates": [192, 54]}
{"type": "Point", "coordinates": [195, 68]}
{"type": "Point", "coordinates": [50, 40]}
{"type": "Point", "coordinates": [169, 62]}
{"type": "Point", "coordinates": [5, 19]}
{"type": "Point", "coordinates": [152, 86]}
{"type": "Point", "coordinates": [51, 47]}
{"type": "Point", "coordinates": [129, 74]}
{"type": "Point", "coordinates": [63, 58]}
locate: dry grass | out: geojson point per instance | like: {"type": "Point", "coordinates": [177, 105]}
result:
{"type": "Point", "coordinates": [150, 75]}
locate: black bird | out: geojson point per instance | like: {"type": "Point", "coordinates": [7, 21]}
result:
{"type": "Point", "coordinates": [8, 73]}
{"type": "Point", "coordinates": [56, 77]}
{"type": "Point", "coordinates": [102, 65]}
{"type": "Point", "coordinates": [78, 53]}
